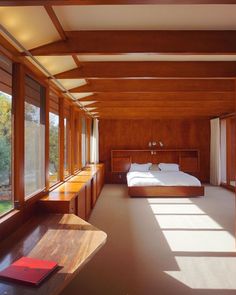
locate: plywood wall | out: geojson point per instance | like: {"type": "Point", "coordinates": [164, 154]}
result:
{"type": "Point", "coordinates": [173, 133]}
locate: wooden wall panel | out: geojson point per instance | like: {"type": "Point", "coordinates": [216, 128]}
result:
{"type": "Point", "coordinates": [173, 133]}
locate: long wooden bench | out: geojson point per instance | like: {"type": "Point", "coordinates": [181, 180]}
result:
{"type": "Point", "coordinates": [64, 238]}
{"type": "Point", "coordinates": [78, 195]}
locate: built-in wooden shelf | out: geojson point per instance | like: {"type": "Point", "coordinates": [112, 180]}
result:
{"type": "Point", "coordinates": [77, 195]}
{"type": "Point", "coordinates": [64, 238]}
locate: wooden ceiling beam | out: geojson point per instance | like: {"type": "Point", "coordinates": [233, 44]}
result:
{"type": "Point", "coordinates": [128, 42]}
{"type": "Point", "coordinates": [153, 69]}
{"type": "Point", "coordinates": [156, 96]}
{"type": "Point", "coordinates": [109, 2]}
{"type": "Point", "coordinates": [156, 85]}
{"type": "Point", "coordinates": [150, 112]}
{"type": "Point", "coordinates": [163, 103]}
{"type": "Point", "coordinates": [55, 21]}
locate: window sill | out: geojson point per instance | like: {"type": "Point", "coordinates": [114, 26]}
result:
{"type": "Point", "coordinates": [11, 214]}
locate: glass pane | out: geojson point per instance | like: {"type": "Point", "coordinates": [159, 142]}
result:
{"type": "Point", "coordinates": [223, 147]}
{"type": "Point", "coordinates": [53, 148]}
{"type": "Point", "coordinates": [6, 200]}
{"type": "Point", "coordinates": [232, 152]}
{"type": "Point", "coordinates": [34, 138]}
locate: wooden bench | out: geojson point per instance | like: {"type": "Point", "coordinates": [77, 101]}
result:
{"type": "Point", "coordinates": [64, 238]}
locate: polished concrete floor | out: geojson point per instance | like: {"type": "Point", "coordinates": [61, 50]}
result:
{"type": "Point", "coordinates": [162, 246]}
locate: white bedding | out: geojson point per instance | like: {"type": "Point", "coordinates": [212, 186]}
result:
{"type": "Point", "coordinates": [161, 178]}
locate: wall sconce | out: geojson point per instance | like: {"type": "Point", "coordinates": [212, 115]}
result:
{"type": "Point", "coordinates": [161, 144]}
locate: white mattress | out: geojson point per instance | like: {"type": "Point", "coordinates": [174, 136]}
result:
{"type": "Point", "coordinates": [161, 178]}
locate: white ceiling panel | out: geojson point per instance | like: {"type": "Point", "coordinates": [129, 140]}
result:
{"type": "Point", "coordinates": [155, 57]}
{"type": "Point", "coordinates": [71, 83]}
{"type": "Point", "coordinates": [147, 17]}
{"type": "Point", "coordinates": [82, 94]}
{"type": "Point", "coordinates": [86, 103]}
{"type": "Point", "coordinates": [57, 64]}
{"type": "Point", "coordinates": [31, 26]}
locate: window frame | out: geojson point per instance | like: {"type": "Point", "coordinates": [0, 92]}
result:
{"type": "Point", "coordinates": [15, 218]}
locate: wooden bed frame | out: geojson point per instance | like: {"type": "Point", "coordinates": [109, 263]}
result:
{"type": "Point", "coordinates": [166, 191]}
{"type": "Point", "coordinates": [188, 160]}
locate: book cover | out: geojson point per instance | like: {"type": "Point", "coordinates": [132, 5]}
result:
{"type": "Point", "coordinates": [28, 270]}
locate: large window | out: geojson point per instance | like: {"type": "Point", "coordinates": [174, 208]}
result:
{"type": "Point", "coordinates": [67, 136]}
{"type": "Point", "coordinates": [6, 198]}
{"type": "Point", "coordinates": [228, 150]}
{"type": "Point", "coordinates": [34, 137]}
{"type": "Point", "coordinates": [54, 155]}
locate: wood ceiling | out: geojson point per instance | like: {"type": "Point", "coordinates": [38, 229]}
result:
{"type": "Point", "coordinates": [146, 89]}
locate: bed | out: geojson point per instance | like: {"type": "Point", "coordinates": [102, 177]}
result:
{"type": "Point", "coordinates": [163, 184]}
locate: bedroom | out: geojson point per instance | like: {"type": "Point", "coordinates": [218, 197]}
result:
{"type": "Point", "coordinates": [86, 91]}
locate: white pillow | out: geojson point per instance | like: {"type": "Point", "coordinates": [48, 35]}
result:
{"type": "Point", "coordinates": [168, 167]}
{"type": "Point", "coordinates": [154, 167]}
{"type": "Point", "coordinates": [140, 167]}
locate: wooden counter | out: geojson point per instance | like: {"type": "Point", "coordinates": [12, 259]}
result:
{"type": "Point", "coordinates": [64, 238]}
{"type": "Point", "coordinates": [77, 195]}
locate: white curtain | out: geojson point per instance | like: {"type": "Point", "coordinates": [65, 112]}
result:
{"type": "Point", "coordinates": [215, 152]}
{"type": "Point", "coordinates": [95, 143]}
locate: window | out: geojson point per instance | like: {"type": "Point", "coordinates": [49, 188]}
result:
{"type": "Point", "coordinates": [34, 137]}
{"type": "Point", "coordinates": [83, 141]}
{"type": "Point", "coordinates": [54, 175]}
{"type": "Point", "coordinates": [6, 197]}
{"type": "Point", "coordinates": [232, 147]}
{"type": "Point", "coordinates": [223, 154]}
{"type": "Point", "coordinates": [67, 144]}
{"type": "Point", "coordinates": [227, 153]}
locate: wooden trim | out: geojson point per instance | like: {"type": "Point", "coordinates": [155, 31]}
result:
{"type": "Point", "coordinates": [72, 146]}
{"type": "Point", "coordinates": [178, 96]}
{"type": "Point", "coordinates": [124, 42]}
{"type": "Point", "coordinates": [61, 137]}
{"type": "Point", "coordinates": [110, 2]}
{"type": "Point", "coordinates": [166, 191]}
{"type": "Point", "coordinates": [76, 60]}
{"type": "Point", "coordinates": [155, 69]}
{"type": "Point", "coordinates": [228, 187]}
{"type": "Point", "coordinates": [19, 136]}
{"type": "Point", "coordinates": [55, 21]}
{"type": "Point", "coordinates": [47, 98]}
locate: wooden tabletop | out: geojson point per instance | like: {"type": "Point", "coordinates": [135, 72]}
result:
{"type": "Point", "coordinates": [64, 238]}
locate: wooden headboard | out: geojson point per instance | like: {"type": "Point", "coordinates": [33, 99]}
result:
{"type": "Point", "coordinates": [188, 159]}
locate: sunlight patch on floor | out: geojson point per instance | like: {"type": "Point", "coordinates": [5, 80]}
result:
{"type": "Point", "coordinates": [200, 241]}
{"type": "Point", "coordinates": [176, 209]}
{"type": "Point", "coordinates": [169, 200]}
{"type": "Point", "coordinates": [187, 222]}
{"type": "Point", "coordinates": [206, 272]}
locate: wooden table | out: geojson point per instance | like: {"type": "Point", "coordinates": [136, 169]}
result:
{"type": "Point", "coordinates": [64, 238]}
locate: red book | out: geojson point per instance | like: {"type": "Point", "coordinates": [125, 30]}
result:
{"type": "Point", "coordinates": [28, 270]}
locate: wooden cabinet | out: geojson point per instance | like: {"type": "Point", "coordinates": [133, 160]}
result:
{"type": "Point", "coordinates": [120, 164]}
{"type": "Point", "coordinates": [81, 203]}
{"type": "Point", "coordinates": [78, 195]}
{"type": "Point", "coordinates": [100, 180]}
{"type": "Point", "coordinates": [94, 190]}
{"type": "Point", "coordinates": [88, 198]}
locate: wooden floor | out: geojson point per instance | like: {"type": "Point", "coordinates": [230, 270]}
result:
{"type": "Point", "coordinates": [161, 246]}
